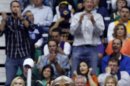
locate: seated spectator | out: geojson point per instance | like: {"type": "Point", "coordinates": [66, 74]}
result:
{"type": "Point", "coordinates": [120, 33]}
{"type": "Point", "coordinates": [80, 81]}
{"type": "Point", "coordinates": [42, 14]}
{"type": "Point", "coordinates": [58, 61]}
{"type": "Point", "coordinates": [116, 13]}
{"type": "Point", "coordinates": [123, 59]}
{"type": "Point", "coordinates": [46, 76]}
{"type": "Point", "coordinates": [124, 18]}
{"type": "Point", "coordinates": [113, 70]}
{"type": "Point", "coordinates": [63, 10]}
{"type": "Point", "coordinates": [113, 3]}
{"type": "Point", "coordinates": [85, 70]}
{"type": "Point", "coordinates": [34, 32]}
{"type": "Point", "coordinates": [18, 81]}
{"type": "Point", "coordinates": [63, 46]}
{"type": "Point", "coordinates": [29, 64]}
{"type": "Point", "coordinates": [63, 81]}
{"type": "Point", "coordinates": [110, 81]}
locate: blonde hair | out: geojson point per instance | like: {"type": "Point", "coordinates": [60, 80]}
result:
{"type": "Point", "coordinates": [17, 78]}
{"type": "Point", "coordinates": [113, 79]}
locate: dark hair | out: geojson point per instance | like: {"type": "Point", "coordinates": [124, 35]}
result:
{"type": "Point", "coordinates": [124, 1]}
{"type": "Point", "coordinates": [126, 7]}
{"type": "Point", "coordinates": [53, 41]}
{"type": "Point", "coordinates": [16, 2]}
{"type": "Point", "coordinates": [117, 27]}
{"type": "Point", "coordinates": [78, 68]}
{"type": "Point", "coordinates": [113, 59]}
{"type": "Point", "coordinates": [47, 66]}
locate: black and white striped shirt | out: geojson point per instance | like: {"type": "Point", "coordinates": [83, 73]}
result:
{"type": "Point", "coordinates": [17, 39]}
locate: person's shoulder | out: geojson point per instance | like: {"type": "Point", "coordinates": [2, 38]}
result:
{"type": "Point", "coordinates": [59, 55]}
{"type": "Point", "coordinates": [46, 7]}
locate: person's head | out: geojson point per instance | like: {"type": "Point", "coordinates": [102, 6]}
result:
{"type": "Point", "coordinates": [28, 63]}
{"type": "Point", "coordinates": [80, 81]}
{"type": "Point", "coordinates": [63, 81]}
{"type": "Point", "coordinates": [120, 4]}
{"type": "Point", "coordinates": [47, 72]}
{"type": "Point", "coordinates": [120, 31]}
{"type": "Point", "coordinates": [15, 7]}
{"type": "Point", "coordinates": [64, 10]}
{"type": "Point", "coordinates": [55, 35]}
{"type": "Point", "coordinates": [89, 5]}
{"type": "Point", "coordinates": [110, 81]}
{"type": "Point", "coordinates": [124, 14]}
{"type": "Point", "coordinates": [52, 45]}
{"type": "Point", "coordinates": [37, 3]}
{"type": "Point", "coordinates": [113, 63]}
{"type": "Point", "coordinates": [96, 3]}
{"type": "Point", "coordinates": [18, 81]}
{"type": "Point", "coordinates": [83, 68]}
{"type": "Point", "coordinates": [29, 15]}
{"type": "Point", "coordinates": [116, 45]}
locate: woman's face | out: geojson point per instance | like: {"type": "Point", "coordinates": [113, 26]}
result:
{"type": "Point", "coordinates": [120, 4]}
{"type": "Point", "coordinates": [120, 31]}
{"type": "Point", "coordinates": [110, 82]}
{"type": "Point", "coordinates": [19, 82]}
{"type": "Point", "coordinates": [47, 73]}
{"type": "Point", "coordinates": [83, 68]}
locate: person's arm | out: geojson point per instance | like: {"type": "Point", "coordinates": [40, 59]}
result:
{"type": "Point", "coordinates": [110, 31]}
{"type": "Point", "coordinates": [56, 24]}
{"type": "Point", "coordinates": [3, 22]}
{"type": "Point", "coordinates": [54, 61]}
{"type": "Point", "coordinates": [76, 23]}
{"type": "Point", "coordinates": [125, 79]}
{"type": "Point", "coordinates": [98, 24]}
{"type": "Point", "coordinates": [90, 79]}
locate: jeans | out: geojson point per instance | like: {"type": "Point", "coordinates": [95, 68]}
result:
{"type": "Point", "coordinates": [11, 66]}
{"type": "Point", "coordinates": [85, 53]}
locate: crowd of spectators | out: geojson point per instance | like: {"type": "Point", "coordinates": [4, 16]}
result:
{"type": "Point", "coordinates": [67, 42]}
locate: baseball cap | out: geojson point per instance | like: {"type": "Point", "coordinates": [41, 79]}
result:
{"type": "Point", "coordinates": [28, 62]}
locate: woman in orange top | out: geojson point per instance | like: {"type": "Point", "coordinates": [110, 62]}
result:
{"type": "Point", "coordinates": [84, 70]}
{"type": "Point", "coordinates": [120, 32]}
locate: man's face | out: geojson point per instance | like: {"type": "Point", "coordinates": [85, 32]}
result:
{"type": "Point", "coordinates": [15, 8]}
{"type": "Point", "coordinates": [125, 13]}
{"type": "Point", "coordinates": [55, 36]}
{"type": "Point", "coordinates": [37, 2]}
{"type": "Point", "coordinates": [116, 46]}
{"type": "Point", "coordinates": [52, 46]}
{"type": "Point", "coordinates": [30, 16]}
{"type": "Point", "coordinates": [89, 5]}
{"type": "Point", "coordinates": [114, 67]}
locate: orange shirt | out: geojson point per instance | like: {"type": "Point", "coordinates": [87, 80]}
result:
{"type": "Point", "coordinates": [124, 50]}
{"type": "Point", "coordinates": [94, 77]}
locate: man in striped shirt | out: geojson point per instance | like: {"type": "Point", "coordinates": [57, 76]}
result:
{"type": "Point", "coordinates": [17, 40]}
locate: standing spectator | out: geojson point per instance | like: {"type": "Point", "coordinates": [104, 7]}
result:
{"type": "Point", "coordinates": [113, 70]}
{"type": "Point", "coordinates": [86, 27]}
{"type": "Point", "coordinates": [17, 40]}
{"type": "Point", "coordinates": [58, 61]}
